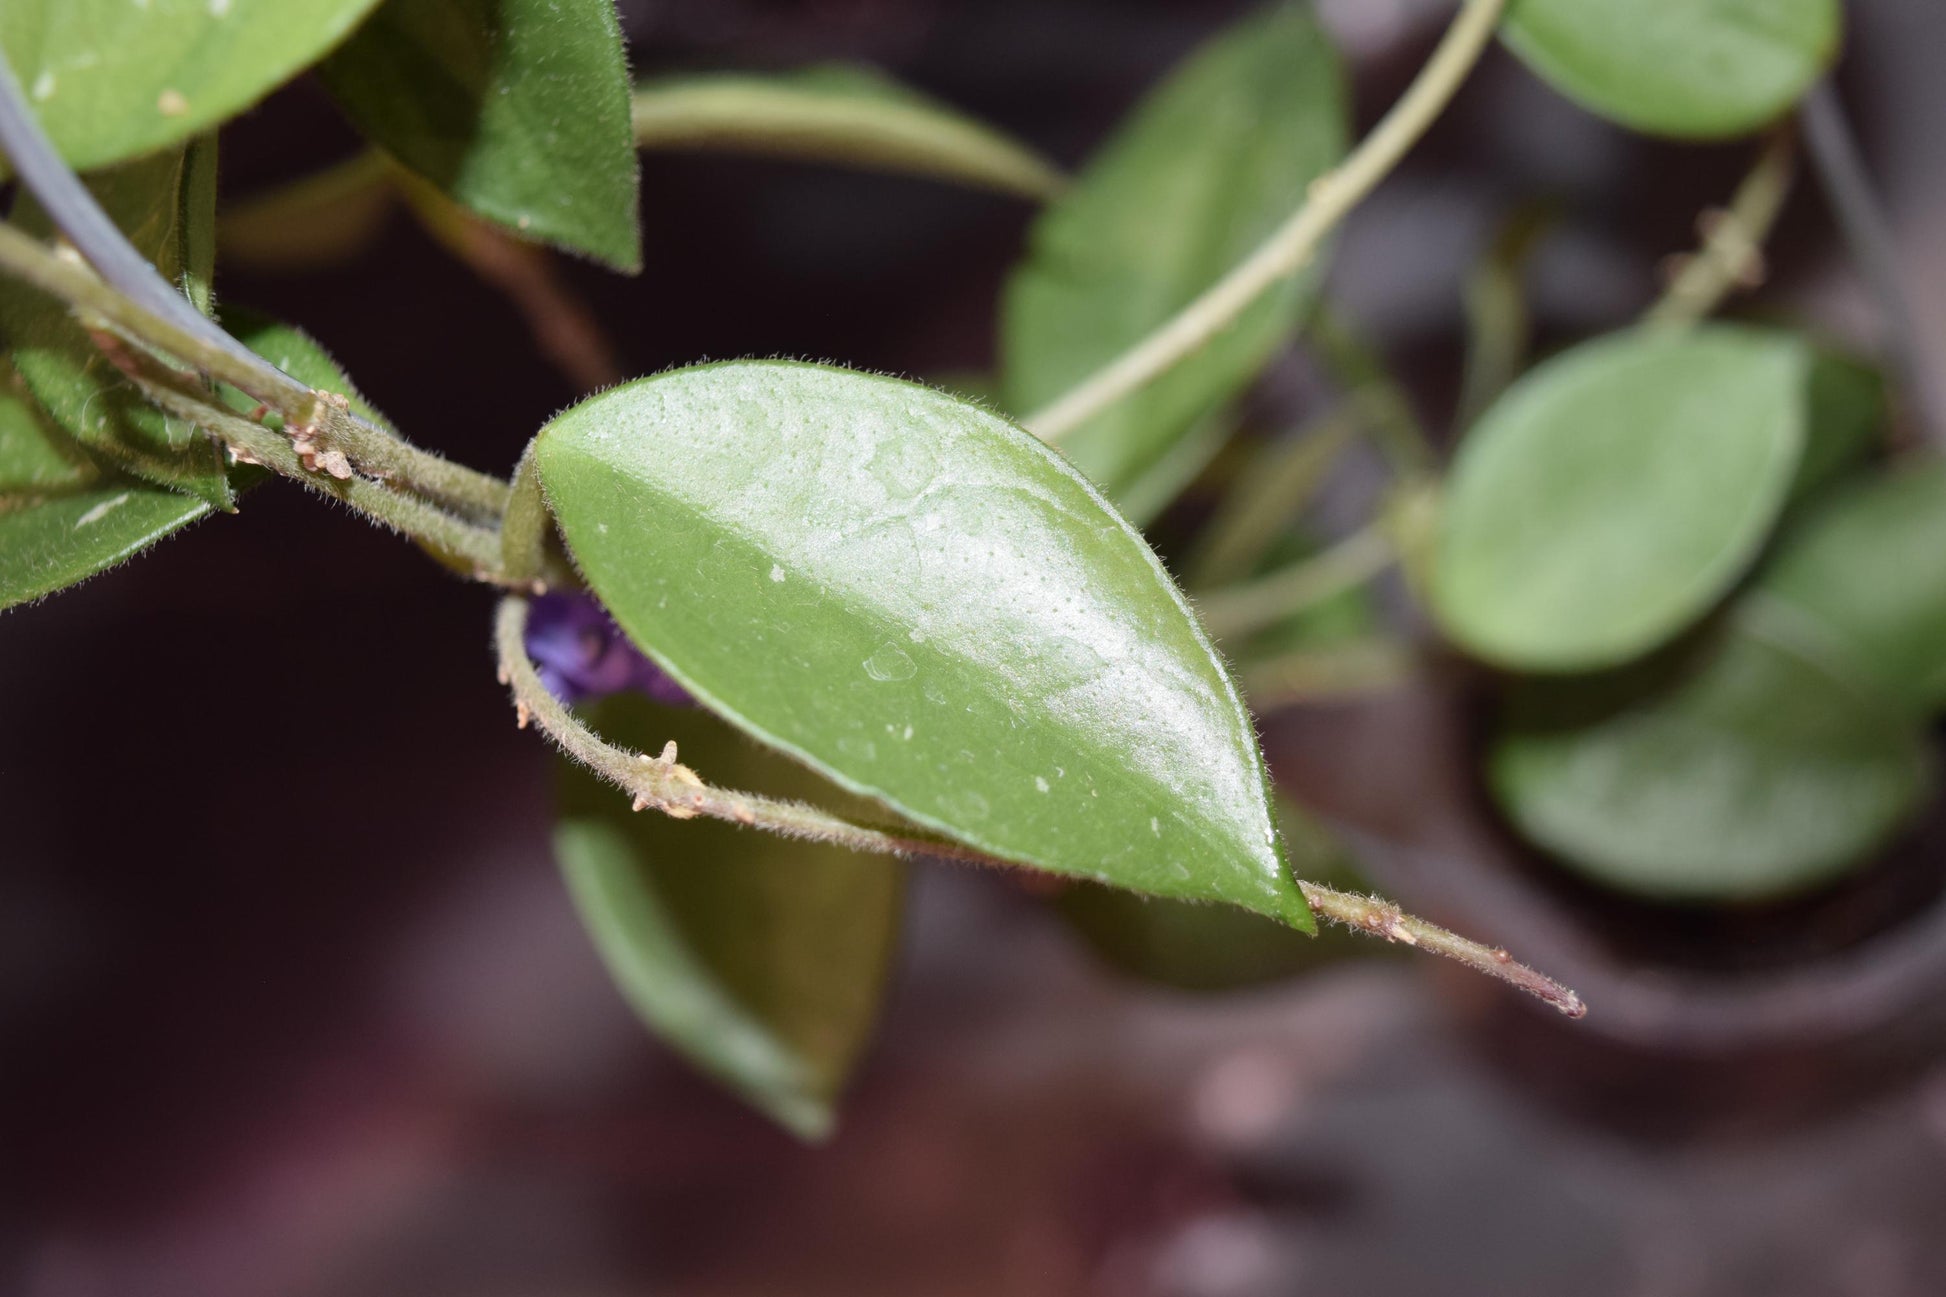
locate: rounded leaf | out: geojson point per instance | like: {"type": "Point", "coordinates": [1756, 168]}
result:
{"type": "Point", "coordinates": [1615, 492]}
{"type": "Point", "coordinates": [926, 604]}
{"type": "Point", "coordinates": [1754, 768]}
{"type": "Point", "coordinates": [1690, 68]}
{"type": "Point", "coordinates": [1868, 569]}
{"type": "Point", "coordinates": [761, 960]}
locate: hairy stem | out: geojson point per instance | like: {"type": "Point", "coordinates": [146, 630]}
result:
{"type": "Point", "coordinates": [1381, 918]}
{"type": "Point", "coordinates": [1732, 254]}
{"type": "Point", "coordinates": [663, 783]}
{"type": "Point", "coordinates": [369, 449]}
{"type": "Point", "coordinates": [1332, 196]}
{"type": "Point", "coordinates": [453, 539]}
{"type": "Point", "coordinates": [1841, 172]}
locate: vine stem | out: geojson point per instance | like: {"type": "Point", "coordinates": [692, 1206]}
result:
{"type": "Point", "coordinates": [1732, 252]}
{"type": "Point", "coordinates": [369, 449]}
{"type": "Point", "coordinates": [1841, 173]}
{"type": "Point", "coordinates": [1331, 197]}
{"type": "Point", "coordinates": [663, 783]}
{"type": "Point", "coordinates": [1249, 606]}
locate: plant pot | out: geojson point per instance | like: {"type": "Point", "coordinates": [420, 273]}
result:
{"type": "Point", "coordinates": [1697, 1018]}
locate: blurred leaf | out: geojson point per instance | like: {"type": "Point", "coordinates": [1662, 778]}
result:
{"type": "Point", "coordinates": [116, 79]}
{"type": "Point", "coordinates": [1845, 415]}
{"type": "Point", "coordinates": [63, 516]}
{"type": "Point", "coordinates": [927, 605]}
{"type": "Point", "coordinates": [317, 222]}
{"type": "Point", "coordinates": [517, 109]}
{"type": "Point", "coordinates": [1615, 492]}
{"type": "Point", "coordinates": [1868, 567]}
{"type": "Point", "coordinates": [1203, 170]}
{"type": "Point", "coordinates": [762, 960]}
{"type": "Point", "coordinates": [1216, 947]}
{"type": "Point", "coordinates": [166, 206]}
{"type": "Point", "coordinates": [1693, 68]}
{"type": "Point", "coordinates": [1750, 767]}
{"type": "Point", "coordinates": [837, 113]}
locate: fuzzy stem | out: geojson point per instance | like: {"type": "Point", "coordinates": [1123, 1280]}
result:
{"type": "Point", "coordinates": [662, 783]}
{"type": "Point", "coordinates": [1732, 255]}
{"type": "Point", "coordinates": [1841, 172]}
{"type": "Point", "coordinates": [450, 538]}
{"type": "Point", "coordinates": [1291, 246]}
{"type": "Point", "coordinates": [1381, 918]}
{"type": "Point", "coordinates": [369, 449]}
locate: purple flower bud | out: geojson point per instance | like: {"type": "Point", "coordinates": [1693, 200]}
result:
{"type": "Point", "coordinates": [579, 654]}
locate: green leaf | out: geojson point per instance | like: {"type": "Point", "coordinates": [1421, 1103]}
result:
{"type": "Point", "coordinates": [1193, 947]}
{"type": "Point", "coordinates": [1750, 768]}
{"type": "Point", "coordinates": [855, 116]}
{"type": "Point", "coordinates": [1868, 569]}
{"type": "Point", "coordinates": [517, 109]}
{"type": "Point", "coordinates": [930, 607]}
{"type": "Point", "coordinates": [1689, 68]}
{"type": "Point", "coordinates": [1845, 415]}
{"type": "Point", "coordinates": [1613, 494]}
{"type": "Point", "coordinates": [1206, 167]}
{"type": "Point", "coordinates": [63, 516]}
{"type": "Point", "coordinates": [115, 79]}
{"type": "Point", "coordinates": [761, 960]}
{"type": "Point", "coordinates": [165, 204]}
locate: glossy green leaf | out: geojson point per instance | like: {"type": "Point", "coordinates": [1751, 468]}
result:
{"type": "Point", "coordinates": [517, 109]}
{"type": "Point", "coordinates": [116, 79]}
{"type": "Point", "coordinates": [855, 116]}
{"type": "Point", "coordinates": [761, 960]}
{"type": "Point", "coordinates": [1691, 68]}
{"type": "Point", "coordinates": [1206, 167]}
{"type": "Point", "coordinates": [1613, 494]}
{"type": "Point", "coordinates": [1193, 947]}
{"type": "Point", "coordinates": [930, 607]}
{"type": "Point", "coordinates": [1868, 568]}
{"type": "Point", "coordinates": [1754, 766]}
{"type": "Point", "coordinates": [63, 515]}
{"type": "Point", "coordinates": [165, 204]}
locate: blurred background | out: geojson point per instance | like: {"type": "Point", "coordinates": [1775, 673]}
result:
{"type": "Point", "coordinates": [292, 999]}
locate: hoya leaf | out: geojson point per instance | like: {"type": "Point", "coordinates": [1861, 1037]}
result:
{"type": "Point", "coordinates": [1867, 567]}
{"type": "Point", "coordinates": [927, 605]}
{"type": "Point", "coordinates": [63, 515]}
{"type": "Point", "coordinates": [1691, 68]}
{"type": "Point", "coordinates": [114, 79]}
{"type": "Point", "coordinates": [517, 109]}
{"type": "Point", "coordinates": [837, 113]}
{"type": "Point", "coordinates": [165, 204]}
{"type": "Point", "coordinates": [763, 961]}
{"type": "Point", "coordinates": [1205, 168]}
{"type": "Point", "coordinates": [1613, 494]}
{"type": "Point", "coordinates": [1753, 767]}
